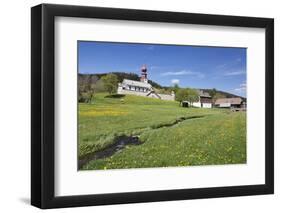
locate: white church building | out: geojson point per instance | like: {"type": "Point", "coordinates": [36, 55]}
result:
{"type": "Point", "coordinates": [142, 88]}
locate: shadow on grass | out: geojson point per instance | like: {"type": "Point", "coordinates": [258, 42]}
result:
{"type": "Point", "coordinates": [115, 96]}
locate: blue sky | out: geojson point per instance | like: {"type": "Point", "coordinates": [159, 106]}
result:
{"type": "Point", "coordinates": [189, 66]}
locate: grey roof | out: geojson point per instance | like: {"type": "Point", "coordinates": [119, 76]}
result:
{"type": "Point", "coordinates": [136, 83]}
{"type": "Point", "coordinates": [229, 101]}
{"type": "Point", "coordinates": [204, 94]}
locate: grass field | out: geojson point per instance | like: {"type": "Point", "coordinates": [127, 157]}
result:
{"type": "Point", "coordinates": [201, 137]}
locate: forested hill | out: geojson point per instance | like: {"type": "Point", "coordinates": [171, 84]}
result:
{"type": "Point", "coordinates": [224, 94]}
{"type": "Point", "coordinates": [93, 78]}
{"type": "Point", "coordinates": [120, 76]}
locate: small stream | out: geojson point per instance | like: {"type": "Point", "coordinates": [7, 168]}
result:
{"type": "Point", "coordinates": [121, 142]}
{"type": "Point", "coordinates": [177, 121]}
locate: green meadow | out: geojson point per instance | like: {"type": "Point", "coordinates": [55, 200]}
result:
{"type": "Point", "coordinates": [170, 135]}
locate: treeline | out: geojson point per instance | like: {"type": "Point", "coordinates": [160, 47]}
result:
{"type": "Point", "coordinates": [192, 95]}
{"type": "Point", "coordinates": [88, 85]}
{"type": "Point", "coordinates": [186, 94]}
{"type": "Point", "coordinates": [120, 77]}
{"type": "Point", "coordinates": [221, 94]}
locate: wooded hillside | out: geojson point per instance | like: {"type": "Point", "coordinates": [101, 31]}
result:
{"type": "Point", "coordinates": [93, 79]}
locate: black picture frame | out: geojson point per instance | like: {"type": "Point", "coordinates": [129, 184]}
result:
{"type": "Point", "coordinates": [43, 102]}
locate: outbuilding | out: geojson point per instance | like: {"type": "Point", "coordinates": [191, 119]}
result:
{"type": "Point", "coordinates": [236, 103]}
{"type": "Point", "coordinates": [204, 100]}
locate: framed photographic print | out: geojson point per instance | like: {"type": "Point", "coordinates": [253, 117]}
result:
{"type": "Point", "coordinates": [139, 106]}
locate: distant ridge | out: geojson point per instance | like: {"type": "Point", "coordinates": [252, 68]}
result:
{"type": "Point", "coordinates": [226, 94]}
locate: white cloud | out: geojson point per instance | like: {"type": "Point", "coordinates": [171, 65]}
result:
{"type": "Point", "coordinates": [242, 88]}
{"type": "Point", "coordinates": [175, 81]}
{"type": "Point", "coordinates": [232, 68]}
{"type": "Point", "coordinates": [184, 72]}
{"type": "Point", "coordinates": [235, 72]}
{"type": "Point", "coordinates": [230, 64]}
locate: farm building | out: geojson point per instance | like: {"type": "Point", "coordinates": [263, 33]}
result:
{"type": "Point", "coordinates": [142, 88]}
{"type": "Point", "coordinates": [230, 103]}
{"type": "Point", "coordinates": [204, 101]}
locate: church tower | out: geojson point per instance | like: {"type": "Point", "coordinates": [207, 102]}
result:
{"type": "Point", "coordinates": [144, 74]}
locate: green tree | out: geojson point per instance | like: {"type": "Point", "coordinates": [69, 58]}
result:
{"type": "Point", "coordinates": [176, 88]}
{"type": "Point", "coordinates": [181, 95]}
{"type": "Point", "coordinates": [213, 92]}
{"type": "Point", "coordinates": [110, 82]}
{"type": "Point", "coordinates": [98, 86]}
{"type": "Point", "coordinates": [87, 88]}
{"type": "Point", "coordinates": [192, 96]}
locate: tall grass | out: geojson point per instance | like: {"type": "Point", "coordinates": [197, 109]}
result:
{"type": "Point", "coordinates": [215, 137]}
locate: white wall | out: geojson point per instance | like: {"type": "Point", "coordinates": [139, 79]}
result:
{"type": "Point", "coordinates": [207, 105]}
{"type": "Point", "coordinates": [197, 104]}
{"type": "Point", "coordinates": [15, 105]}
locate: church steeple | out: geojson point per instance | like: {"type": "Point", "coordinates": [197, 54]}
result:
{"type": "Point", "coordinates": [144, 74]}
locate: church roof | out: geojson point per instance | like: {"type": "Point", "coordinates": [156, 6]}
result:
{"type": "Point", "coordinates": [136, 83]}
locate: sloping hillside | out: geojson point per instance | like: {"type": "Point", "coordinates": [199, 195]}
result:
{"type": "Point", "coordinates": [226, 94]}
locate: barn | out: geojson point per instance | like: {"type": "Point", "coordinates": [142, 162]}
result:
{"type": "Point", "coordinates": [204, 101]}
{"type": "Point", "coordinates": [236, 103]}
